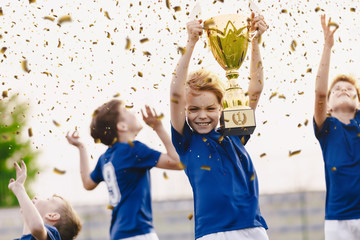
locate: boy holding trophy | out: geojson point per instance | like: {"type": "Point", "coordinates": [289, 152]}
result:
{"type": "Point", "coordinates": [219, 169]}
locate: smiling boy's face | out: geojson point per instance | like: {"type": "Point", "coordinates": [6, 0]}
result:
{"type": "Point", "coordinates": [202, 110]}
{"type": "Point", "coordinates": [343, 96]}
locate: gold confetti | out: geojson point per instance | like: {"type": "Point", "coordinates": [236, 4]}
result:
{"type": "Point", "coordinates": [165, 176]}
{"type": "Point", "coordinates": [294, 153]}
{"type": "Point", "coordinates": [273, 95]}
{"type": "Point", "coordinates": [32, 1]}
{"type": "Point", "coordinates": [168, 4]}
{"type": "Point", "coordinates": [97, 140]}
{"type": "Point", "coordinates": [181, 50]}
{"type": "Point", "coordinates": [352, 9]}
{"type": "Point", "coordinates": [252, 178]}
{"type": "Point", "coordinates": [133, 89]}
{"type": "Point", "coordinates": [300, 93]}
{"type": "Point", "coordinates": [177, 8]}
{"type": "Point", "coordinates": [174, 100]}
{"type": "Point", "coordinates": [309, 70]}
{"type": "Point", "coordinates": [129, 106]}
{"type": "Point", "coordinates": [282, 96]}
{"type": "Point", "coordinates": [56, 123]}
{"type": "Point", "coordinates": [5, 94]}
{"type": "Point", "coordinates": [204, 139]}
{"type": "Point", "coordinates": [107, 15]}
{"type": "Point", "coordinates": [317, 9]}
{"type": "Point", "coordinates": [110, 207]}
{"type": "Point", "coordinates": [59, 44]}
{"type": "Point", "coordinates": [30, 132]}
{"type": "Point", "coordinates": [190, 216]}
{"type": "Point", "coordinates": [306, 122]}
{"type": "Point", "coordinates": [147, 53]}
{"type": "Point", "coordinates": [24, 66]}
{"type": "Point", "coordinates": [263, 155]}
{"type": "Point", "coordinates": [58, 171]}
{"type": "Point", "coordinates": [283, 11]}
{"type": "Point", "coordinates": [63, 19]}
{"type": "Point", "coordinates": [299, 125]}
{"type": "Point", "coordinates": [221, 138]}
{"type": "Point", "coordinates": [131, 143]}
{"type": "Point", "coordinates": [49, 18]}
{"type": "Point", "coordinates": [333, 169]}
{"type": "Point", "coordinates": [160, 117]}
{"type": "Point", "coordinates": [156, 86]}
{"type": "Point", "coordinates": [3, 50]}
{"type": "Point", "coordinates": [208, 23]}
{"type": "Point", "coordinates": [144, 40]}
{"type": "Point", "coordinates": [128, 44]}
{"type": "Point", "coordinates": [333, 24]}
{"type": "Point", "coordinates": [243, 140]}
{"type": "Point", "coordinates": [181, 165]}
{"type": "Point", "coordinates": [140, 74]}
{"type": "Point", "coordinates": [293, 45]}
{"type": "Point", "coordinates": [116, 95]}
{"type": "Point", "coordinates": [1, 12]}
{"type": "Point", "coordinates": [205, 168]}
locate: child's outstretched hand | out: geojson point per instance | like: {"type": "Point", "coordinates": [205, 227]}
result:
{"type": "Point", "coordinates": [74, 139]}
{"type": "Point", "coordinates": [195, 30]}
{"type": "Point", "coordinates": [328, 34]}
{"type": "Point", "coordinates": [151, 118]}
{"type": "Point", "coordinates": [21, 174]}
{"type": "Point", "coordinates": [258, 23]}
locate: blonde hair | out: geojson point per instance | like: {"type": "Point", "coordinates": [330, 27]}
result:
{"type": "Point", "coordinates": [203, 80]}
{"type": "Point", "coordinates": [344, 78]}
{"type": "Point", "coordinates": [69, 224]}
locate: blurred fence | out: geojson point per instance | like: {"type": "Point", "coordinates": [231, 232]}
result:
{"type": "Point", "coordinates": [295, 216]}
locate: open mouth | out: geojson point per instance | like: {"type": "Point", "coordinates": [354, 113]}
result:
{"type": "Point", "coordinates": [203, 124]}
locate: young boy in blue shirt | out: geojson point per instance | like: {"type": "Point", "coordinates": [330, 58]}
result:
{"type": "Point", "coordinates": [337, 127]}
{"type": "Point", "coordinates": [125, 167]}
{"type": "Point", "coordinates": [53, 218]}
{"type": "Point", "coordinates": [220, 171]}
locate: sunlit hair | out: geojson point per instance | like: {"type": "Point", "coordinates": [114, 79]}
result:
{"type": "Point", "coordinates": [344, 78]}
{"type": "Point", "coordinates": [69, 224]}
{"type": "Point", "coordinates": [203, 80]}
{"type": "Point", "coordinates": [103, 125]}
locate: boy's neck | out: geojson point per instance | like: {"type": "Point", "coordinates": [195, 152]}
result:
{"type": "Point", "coordinates": [126, 137]}
{"type": "Point", "coordinates": [344, 116]}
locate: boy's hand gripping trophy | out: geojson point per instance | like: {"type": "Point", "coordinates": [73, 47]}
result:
{"type": "Point", "coordinates": [228, 37]}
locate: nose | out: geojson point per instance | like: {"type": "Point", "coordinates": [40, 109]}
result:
{"type": "Point", "coordinates": [202, 114]}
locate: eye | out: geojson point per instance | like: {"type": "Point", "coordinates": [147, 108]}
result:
{"type": "Point", "coordinates": [211, 108]}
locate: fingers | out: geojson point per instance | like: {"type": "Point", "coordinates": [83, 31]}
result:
{"type": "Point", "coordinates": [23, 166]}
{"type": "Point", "coordinates": [17, 167]}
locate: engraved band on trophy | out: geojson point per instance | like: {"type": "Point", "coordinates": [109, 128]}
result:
{"type": "Point", "coordinates": [228, 38]}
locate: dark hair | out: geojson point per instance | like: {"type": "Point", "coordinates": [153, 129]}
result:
{"type": "Point", "coordinates": [104, 120]}
{"type": "Point", "coordinates": [344, 78]}
{"type": "Point", "coordinates": [69, 224]}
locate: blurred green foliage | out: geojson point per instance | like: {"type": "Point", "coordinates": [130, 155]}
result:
{"type": "Point", "coordinates": [15, 145]}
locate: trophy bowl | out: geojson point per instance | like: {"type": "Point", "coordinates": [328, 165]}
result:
{"type": "Point", "coordinates": [228, 38]}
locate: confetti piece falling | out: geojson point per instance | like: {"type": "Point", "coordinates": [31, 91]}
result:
{"type": "Point", "coordinates": [30, 132]}
{"type": "Point", "coordinates": [182, 166]}
{"type": "Point", "coordinates": [190, 216]}
{"type": "Point", "coordinates": [131, 143]}
{"type": "Point", "coordinates": [5, 94]}
{"type": "Point", "coordinates": [221, 138]}
{"type": "Point", "coordinates": [49, 18]}
{"type": "Point", "coordinates": [32, 1]}
{"type": "Point", "coordinates": [63, 19]}
{"type": "Point", "coordinates": [352, 9]}
{"type": "Point", "coordinates": [107, 15]}
{"type": "Point", "coordinates": [116, 95]}
{"type": "Point", "coordinates": [294, 153]}
{"type": "Point", "coordinates": [56, 123]}
{"type": "Point", "coordinates": [24, 66]}
{"type": "Point", "coordinates": [273, 95]}
{"type": "Point", "coordinates": [181, 50]}
{"type": "Point", "coordinates": [252, 177]}
{"type": "Point", "coordinates": [3, 50]}
{"type": "Point", "coordinates": [140, 74]}
{"type": "Point", "coordinates": [144, 40]}
{"type": "Point", "coordinates": [129, 106]}
{"type": "Point", "coordinates": [1, 12]}
{"type": "Point", "coordinates": [165, 176]}
{"type": "Point", "coordinates": [168, 4]}
{"type": "Point", "coordinates": [204, 139]}
{"type": "Point", "coordinates": [160, 117]}
{"type": "Point", "coordinates": [58, 171]}
{"type": "Point", "coordinates": [333, 169]}
{"type": "Point", "coordinates": [110, 207]}
{"type": "Point", "coordinates": [293, 45]}
{"type": "Point", "coordinates": [174, 100]}
{"type": "Point", "coordinates": [177, 8]}
{"type": "Point", "coordinates": [333, 24]}
{"type": "Point", "coordinates": [128, 44]}
{"type": "Point", "coordinates": [263, 155]}
{"type": "Point", "coordinates": [97, 140]}
{"type": "Point", "coordinates": [205, 168]}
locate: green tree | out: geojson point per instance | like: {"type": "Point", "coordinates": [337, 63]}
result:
{"type": "Point", "coordinates": [14, 146]}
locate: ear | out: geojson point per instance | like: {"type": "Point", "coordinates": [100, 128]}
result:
{"type": "Point", "coordinates": [52, 217]}
{"type": "Point", "coordinates": [122, 127]}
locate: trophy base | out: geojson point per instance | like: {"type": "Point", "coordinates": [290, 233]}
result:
{"type": "Point", "coordinates": [237, 121]}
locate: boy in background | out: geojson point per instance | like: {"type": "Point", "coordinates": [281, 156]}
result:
{"type": "Point", "coordinates": [337, 127]}
{"type": "Point", "coordinates": [53, 218]}
{"type": "Point", "coordinates": [125, 167]}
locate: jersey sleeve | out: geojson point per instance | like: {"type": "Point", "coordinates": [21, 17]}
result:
{"type": "Point", "coordinates": [321, 133]}
{"type": "Point", "coordinates": [52, 232]}
{"type": "Point", "coordinates": [181, 142]}
{"type": "Point", "coordinates": [96, 174]}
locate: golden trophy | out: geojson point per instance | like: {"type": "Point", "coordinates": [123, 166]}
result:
{"type": "Point", "coordinates": [228, 38]}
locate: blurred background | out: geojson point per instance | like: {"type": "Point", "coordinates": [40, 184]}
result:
{"type": "Point", "coordinates": [60, 60]}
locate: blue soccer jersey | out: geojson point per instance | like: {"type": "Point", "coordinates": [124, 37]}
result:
{"type": "Point", "coordinates": [52, 232]}
{"type": "Point", "coordinates": [340, 145]}
{"type": "Point", "coordinates": [223, 180]}
{"type": "Point", "coordinates": [126, 170]}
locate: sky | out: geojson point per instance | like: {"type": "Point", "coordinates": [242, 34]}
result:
{"type": "Point", "coordinates": [129, 49]}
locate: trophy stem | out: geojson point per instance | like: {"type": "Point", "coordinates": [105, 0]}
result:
{"type": "Point", "coordinates": [232, 74]}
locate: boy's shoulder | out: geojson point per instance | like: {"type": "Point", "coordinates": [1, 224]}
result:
{"type": "Point", "coordinates": [52, 232]}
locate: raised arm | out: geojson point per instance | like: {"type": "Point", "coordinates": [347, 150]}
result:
{"type": "Point", "coordinates": [321, 84]}
{"type": "Point", "coordinates": [88, 183]}
{"type": "Point", "coordinates": [177, 86]}
{"type": "Point", "coordinates": [170, 159]}
{"type": "Point", "coordinates": [256, 69]}
{"type": "Point", "coordinates": [32, 218]}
